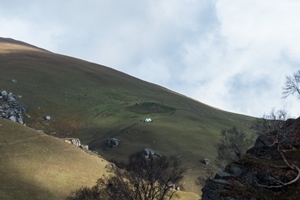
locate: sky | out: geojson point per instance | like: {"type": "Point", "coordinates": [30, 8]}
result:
{"type": "Point", "coordinates": [230, 54]}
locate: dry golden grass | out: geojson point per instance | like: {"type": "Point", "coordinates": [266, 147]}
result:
{"type": "Point", "coordinates": [9, 48]}
{"type": "Point", "coordinates": [180, 195]}
{"type": "Point", "coordinates": [37, 166]}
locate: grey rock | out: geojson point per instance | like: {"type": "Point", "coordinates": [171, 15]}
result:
{"type": "Point", "coordinates": [21, 108]}
{"type": "Point", "coordinates": [221, 181]}
{"type": "Point", "coordinates": [111, 142]}
{"type": "Point", "coordinates": [149, 153]}
{"type": "Point", "coordinates": [235, 169]}
{"type": "Point", "coordinates": [20, 120]}
{"type": "Point", "coordinates": [222, 175]}
{"type": "Point", "coordinates": [47, 117]}
{"type": "Point", "coordinates": [206, 161]}
{"type": "Point", "coordinates": [12, 118]}
{"type": "Point", "coordinates": [76, 142]}
{"type": "Point", "coordinates": [211, 190]}
{"type": "Point", "coordinates": [86, 147]}
{"type": "Point", "coordinates": [10, 109]}
{"type": "Point", "coordinates": [14, 81]}
{"type": "Point", "coordinates": [3, 93]}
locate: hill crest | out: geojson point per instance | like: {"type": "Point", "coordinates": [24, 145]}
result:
{"type": "Point", "coordinates": [9, 45]}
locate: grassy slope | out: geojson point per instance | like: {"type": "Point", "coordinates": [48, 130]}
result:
{"type": "Point", "coordinates": [37, 166]}
{"type": "Point", "coordinates": [94, 102]}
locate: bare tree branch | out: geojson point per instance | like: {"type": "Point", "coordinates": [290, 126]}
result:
{"type": "Point", "coordinates": [274, 126]}
{"type": "Point", "coordinates": [282, 184]}
{"type": "Point", "coordinates": [292, 85]}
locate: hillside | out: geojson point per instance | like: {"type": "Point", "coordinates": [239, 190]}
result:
{"type": "Point", "coordinates": [94, 103]}
{"type": "Point", "coordinates": [35, 165]}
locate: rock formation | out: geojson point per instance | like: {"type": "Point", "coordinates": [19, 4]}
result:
{"type": "Point", "coordinates": [76, 142]}
{"type": "Point", "coordinates": [149, 153]}
{"type": "Point", "coordinates": [265, 172]}
{"type": "Point", "coordinates": [10, 108]}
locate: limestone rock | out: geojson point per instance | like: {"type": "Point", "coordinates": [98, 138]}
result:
{"type": "Point", "coordinates": [12, 118]}
{"type": "Point", "coordinates": [11, 109]}
{"type": "Point", "coordinates": [47, 117]}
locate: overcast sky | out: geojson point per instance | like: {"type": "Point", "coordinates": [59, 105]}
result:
{"type": "Point", "coordinates": [233, 55]}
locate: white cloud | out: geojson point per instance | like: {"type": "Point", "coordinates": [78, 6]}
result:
{"type": "Point", "coordinates": [229, 54]}
{"type": "Point", "coordinates": [246, 70]}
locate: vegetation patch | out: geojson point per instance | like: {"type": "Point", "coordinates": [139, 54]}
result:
{"type": "Point", "coordinates": [151, 108]}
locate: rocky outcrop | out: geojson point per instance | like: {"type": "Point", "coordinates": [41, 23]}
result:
{"type": "Point", "coordinates": [76, 142]}
{"type": "Point", "coordinates": [263, 173]}
{"type": "Point", "coordinates": [10, 108]}
{"type": "Point", "coordinates": [149, 153]}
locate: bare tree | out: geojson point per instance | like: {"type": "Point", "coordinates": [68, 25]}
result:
{"type": "Point", "coordinates": [292, 85]}
{"type": "Point", "coordinates": [139, 179]}
{"type": "Point", "coordinates": [274, 127]}
{"type": "Point", "coordinates": [233, 145]}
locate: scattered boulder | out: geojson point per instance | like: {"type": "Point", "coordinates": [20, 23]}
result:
{"type": "Point", "coordinates": [20, 120]}
{"type": "Point", "coordinates": [4, 94]}
{"type": "Point", "coordinates": [68, 141]}
{"type": "Point", "coordinates": [86, 147]}
{"type": "Point", "coordinates": [147, 120]}
{"type": "Point", "coordinates": [47, 117]}
{"type": "Point", "coordinates": [149, 153]}
{"type": "Point", "coordinates": [12, 118]}
{"type": "Point", "coordinates": [14, 81]}
{"type": "Point", "coordinates": [76, 142]}
{"type": "Point", "coordinates": [111, 142]}
{"type": "Point", "coordinates": [206, 161]}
